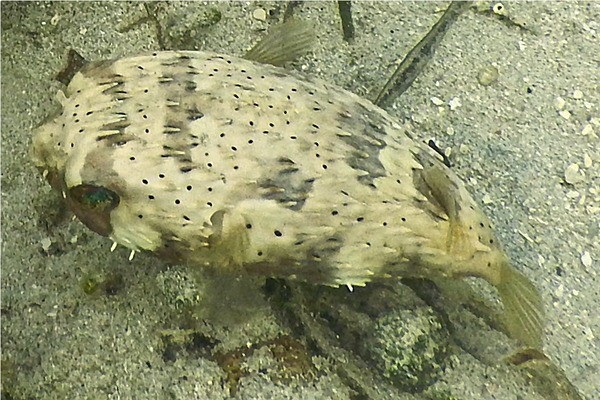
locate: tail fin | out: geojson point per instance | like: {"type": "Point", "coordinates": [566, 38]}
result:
{"type": "Point", "coordinates": [523, 309]}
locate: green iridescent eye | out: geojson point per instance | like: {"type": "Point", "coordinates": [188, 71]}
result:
{"type": "Point", "coordinates": [95, 197]}
{"type": "Point", "coordinates": [98, 197]}
{"type": "Point", "coordinates": [93, 205]}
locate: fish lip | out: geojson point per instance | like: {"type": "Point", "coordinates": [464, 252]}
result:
{"type": "Point", "coordinates": [55, 178]}
{"type": "Point", "coordinates": [42, 153]}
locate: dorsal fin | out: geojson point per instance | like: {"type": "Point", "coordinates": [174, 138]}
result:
{"type": "Point", "coordinates": [284, 42]}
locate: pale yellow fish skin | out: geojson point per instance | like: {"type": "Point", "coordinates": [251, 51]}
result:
{"type": "Point", "coordinates": [225, 163]}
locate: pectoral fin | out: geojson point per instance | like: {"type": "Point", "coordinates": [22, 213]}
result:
{"type": "Point", "coordinates": [444, 193]}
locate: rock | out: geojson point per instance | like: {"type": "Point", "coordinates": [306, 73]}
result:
{"type": "Point", "coordinates": [573, 174]}
{"type": "Point", "coordinates": [409, 347]}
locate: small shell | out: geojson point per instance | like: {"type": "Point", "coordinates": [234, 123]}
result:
{"type": "Point", "coordinates": [487, 75]}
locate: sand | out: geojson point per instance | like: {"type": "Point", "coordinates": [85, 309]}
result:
{"type": "Point", "coordinates": [81, 322]}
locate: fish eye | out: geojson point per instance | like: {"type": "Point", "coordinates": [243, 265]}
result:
{"type": "Point", "coordinates": [92, 205]}
{"type": "Point", "coordinates": [95, 197]}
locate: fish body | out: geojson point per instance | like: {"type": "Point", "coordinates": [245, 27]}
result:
{"type": "Point", "coordinates": [216, 161]}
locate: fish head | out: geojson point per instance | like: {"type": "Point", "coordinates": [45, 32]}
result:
{"type": "Point", "coordinates": [49, 150]}
{"type": "Point", "coordinates": [52, 151]}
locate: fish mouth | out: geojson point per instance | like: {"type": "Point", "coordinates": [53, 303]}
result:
{"type": "Point", "coordinates": [55, 178]}
{"type": "Point", "coordinates": [46, 158]}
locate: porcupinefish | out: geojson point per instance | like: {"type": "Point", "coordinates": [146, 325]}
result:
{"type": "Point", "coordinates": [216, 161]}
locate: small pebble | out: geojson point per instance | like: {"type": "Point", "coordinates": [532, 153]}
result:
{"type": "Point", "coordinates": [559, 103]}
{"type": "Point", "coordinates": [519, 21]}
{"type": "Point", "coordinates": [593, 210]}
{"type": "Point", "coordinates": [572, 174]}
{"type": "Point", "coordinates": [259, 14]}
{"type": "Point", "coordinates": [565, 114]}
{"type": "Point", "coordinates": [437, 101]}
{"type": "Point", "coordinates": [587, 161]}
{"type": "Point", "coordinates": [560, 291]}
{"type": "Point", "coordinates": [450, 131]}
{"type": "Point", "coordinates": [586, 259]}
{"type": "Point", "coordinates": [541, 260]}
{"type": "Point", "coordinates": [454, 103]}
{"type": "Point", "coordinates": [577, 95]}
{"type": "Point", "coordinates": [487, 199]}
{"type": "Point", "coordinates": [587, 130]}
{"type": "Point", "coordinates": [487, 75]}
{"type": "Point", "coordinates": [46, 243]}
{"type": "Point", "coordinates": [54, 20]}
{"type": "Point", "coordinates": [499, 9]}
{"type": "Point", "coordinates": [572, 194]}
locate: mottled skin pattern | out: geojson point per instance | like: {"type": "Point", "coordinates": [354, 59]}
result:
{"type": "Point", "coordinates": [216, 161]}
